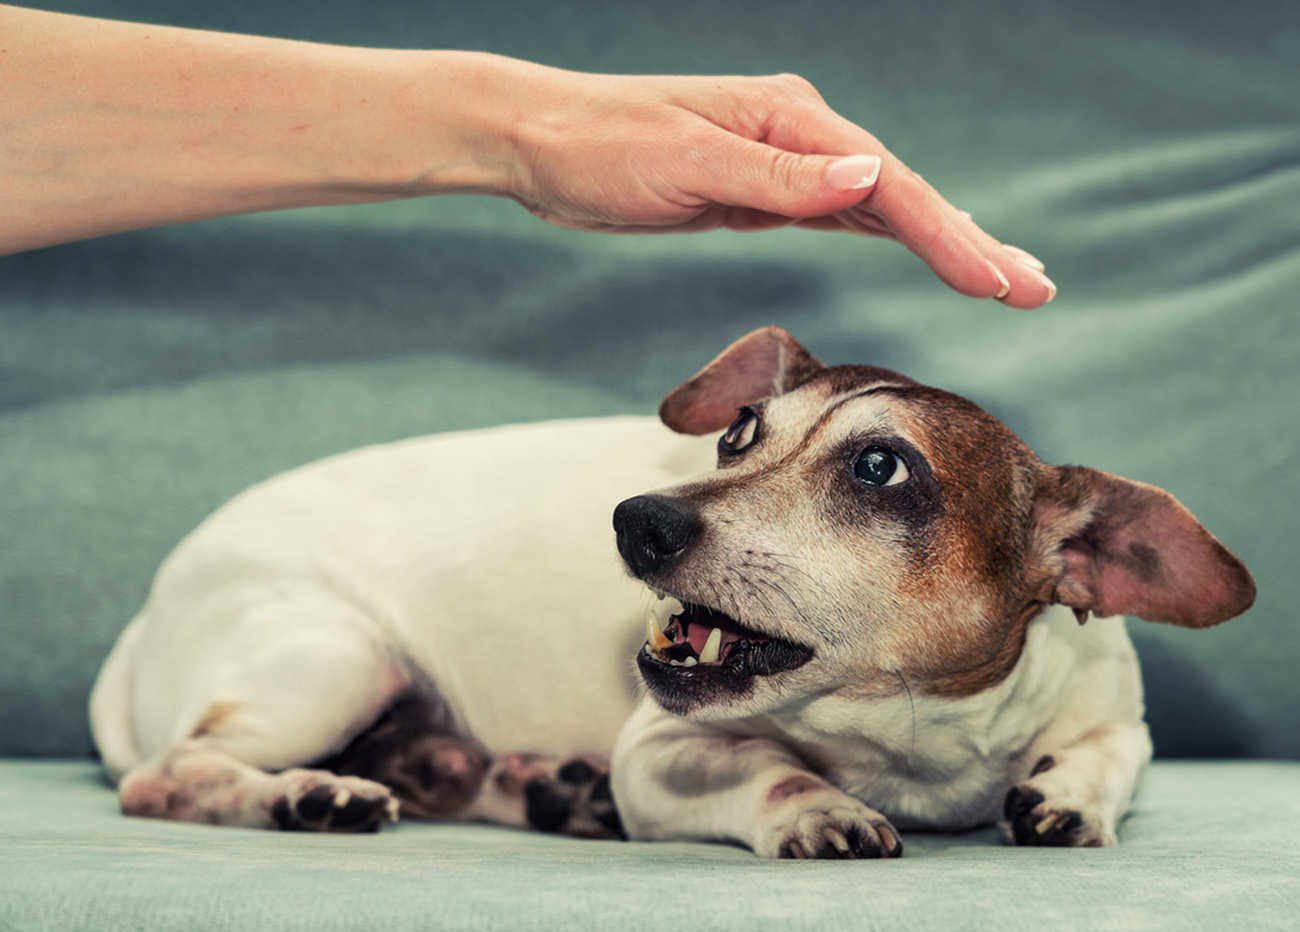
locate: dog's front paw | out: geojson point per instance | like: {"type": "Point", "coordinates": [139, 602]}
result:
{"type": "Point", "coordinates": [843, 829]}
{"type": "Point", "coordinates": [319, 801]}
{"type": "Point", "coordinates": [1047, 812]}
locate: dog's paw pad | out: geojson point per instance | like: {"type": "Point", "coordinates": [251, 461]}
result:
{"type": "Point", "coordinates": [572, 798]}
{"type": "Point", "coordinates": [322, 802]}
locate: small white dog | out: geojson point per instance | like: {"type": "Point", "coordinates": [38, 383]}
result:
{"type": "Point", "coordinates": [867, 618]}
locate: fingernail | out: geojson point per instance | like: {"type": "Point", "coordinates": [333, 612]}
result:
{"type": "Point", "coordinates": [1026, 258]}
{"type": "Point", "coordinates": [1051, 287]}
{"type": "Point", "coordinates": [1006, 285]}
{"type": "Point", "coordinates": [853, 173]}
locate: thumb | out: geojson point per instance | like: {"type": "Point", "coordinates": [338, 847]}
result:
{"type": "Point", "coordinates": [777, 181]}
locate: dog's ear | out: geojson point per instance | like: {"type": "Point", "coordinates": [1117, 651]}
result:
{"type": "Point", "coordinates": [759, 365]}
{"type": "Point", "coordinates": [1119, 547]}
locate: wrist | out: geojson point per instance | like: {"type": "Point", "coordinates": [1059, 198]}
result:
{"type": "Point", "coordinates": [413, 124]}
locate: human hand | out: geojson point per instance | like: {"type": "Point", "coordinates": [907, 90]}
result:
{"type": "Point", "coordinates": [677, 154]}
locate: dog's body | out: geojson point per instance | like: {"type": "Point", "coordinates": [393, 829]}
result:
{"type": "Point", "coordinates": [444, 621]}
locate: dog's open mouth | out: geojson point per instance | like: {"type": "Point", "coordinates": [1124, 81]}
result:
{"type": "Point", "coordinates": [699, 641]}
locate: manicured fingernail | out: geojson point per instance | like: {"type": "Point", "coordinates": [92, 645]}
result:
{"type": "Point", "coordinates": [1051, 288]}
{"type": "Point", "coordinates": [1026, 258]}
{"type": "Point", "coordinates": [853, 173]}
{"type": "Point", "coordinates": [1006, 285]}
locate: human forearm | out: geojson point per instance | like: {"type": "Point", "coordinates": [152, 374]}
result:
{"type": "Point", "coordinates": [132, 126]}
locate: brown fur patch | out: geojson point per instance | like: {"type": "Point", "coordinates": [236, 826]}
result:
{"type": "Point", "coordinates": [795, 785]}
{"type": "Point", "coordinates": [1123, 547]}
{"type": "Point", "coordinates": [755, 367]}
{"type": "Point", "coordinates": [991, 668]}
{"type": "Point", "coordinates": [966, 581]}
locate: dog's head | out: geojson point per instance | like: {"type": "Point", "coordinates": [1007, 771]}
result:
{"type": "Point", "coordinates": [864, 531]}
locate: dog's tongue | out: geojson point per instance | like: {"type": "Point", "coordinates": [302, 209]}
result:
{"type": "Point", "coordinates": [700, 625]}
{"type": "Point", "coordinates": [698, 636]}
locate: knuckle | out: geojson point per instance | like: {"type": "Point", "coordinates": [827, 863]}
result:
{"type": "Point", "coordinates": [786, 168]}
{"type": "Point", "coordinates": [795, 84]}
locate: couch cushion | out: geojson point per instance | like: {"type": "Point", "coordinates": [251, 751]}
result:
{"type": "Point", "coordinates": [1207, 846]}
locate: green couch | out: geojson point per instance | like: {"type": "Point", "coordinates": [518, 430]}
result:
{"type": "Point", "coordinates": [1149, 153]}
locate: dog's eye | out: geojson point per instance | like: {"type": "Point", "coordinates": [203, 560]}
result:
{"type": "Point", "coordinates": [879, 466]}
{"type": "Point", "coordinates": [741, 433]}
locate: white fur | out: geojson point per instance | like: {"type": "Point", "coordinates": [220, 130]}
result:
{"type": "Point", "coordinates": [925, 763]}
{"type": "Point", "coordinates": [481, 561]}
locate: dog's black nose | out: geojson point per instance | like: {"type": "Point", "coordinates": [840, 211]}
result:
{"type": "Point", "coordinates": [651, 531]}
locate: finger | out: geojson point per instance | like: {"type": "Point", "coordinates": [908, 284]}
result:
{"type": "Point", "coordinates": [922, 222]}
{"type": "Point", "coordinates": [860, 223]}
{"type": "Point", "coordinates": [960, 253]}
{"type": "Point", "coordinates": [1021, 256]}
{"type": "Point", "coordinates": [1030, 286]}
{"type": "Point", "coordinates": [759, 177]}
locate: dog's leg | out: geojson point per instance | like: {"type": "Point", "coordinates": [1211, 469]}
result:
{"type": "Point", "coordinates": [1076, 796]}
{"type": "Point", "coordinates": [675, 779]}
{"type": "Point", "coordinates": [248, 720]}
{"type": "Point", "coordinates": [440, 776]}
{"type": "Point", "coordinates": [413, 750]}
{"type": "Point", "coordinates": [197, 782]}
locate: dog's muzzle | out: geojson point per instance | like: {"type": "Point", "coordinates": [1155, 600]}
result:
{"type": "Point", "coordinates": [651, 532]}
{"type": "Point", "coordinates": [700, 656]}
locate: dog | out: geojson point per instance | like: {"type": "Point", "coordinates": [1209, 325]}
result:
{"type": "Point", "coordinates": [867, 606]}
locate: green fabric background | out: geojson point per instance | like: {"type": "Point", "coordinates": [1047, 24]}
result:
{"type": "Point", "coordinates": [1148, 152]}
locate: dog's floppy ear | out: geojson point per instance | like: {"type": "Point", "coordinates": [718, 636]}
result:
{"type": "Point", "coordinates": [1123, 547]}
{"type": "Point", "coordinates": [759, 365]}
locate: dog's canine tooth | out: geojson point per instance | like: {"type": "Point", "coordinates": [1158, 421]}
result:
{"type": "Point", "coordinates": [655, 636]}
{"type": "Point", "coordinates": [712, 647]}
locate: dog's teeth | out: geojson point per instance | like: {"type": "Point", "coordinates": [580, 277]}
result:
{"type": "Point", "coordinates": [711, 647]}
{"type": "Point", "coordinates": [689, 662]}
{"type": "Point", "coordinates": [655, 636]}
{"type": "Point", "coordinates": [342, 799]}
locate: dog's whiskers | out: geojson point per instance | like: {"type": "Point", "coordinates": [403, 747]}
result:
{"type": "Point", "coordinates": [757, 586]}
{"type": "Point", "coordinates": [780, 561]}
